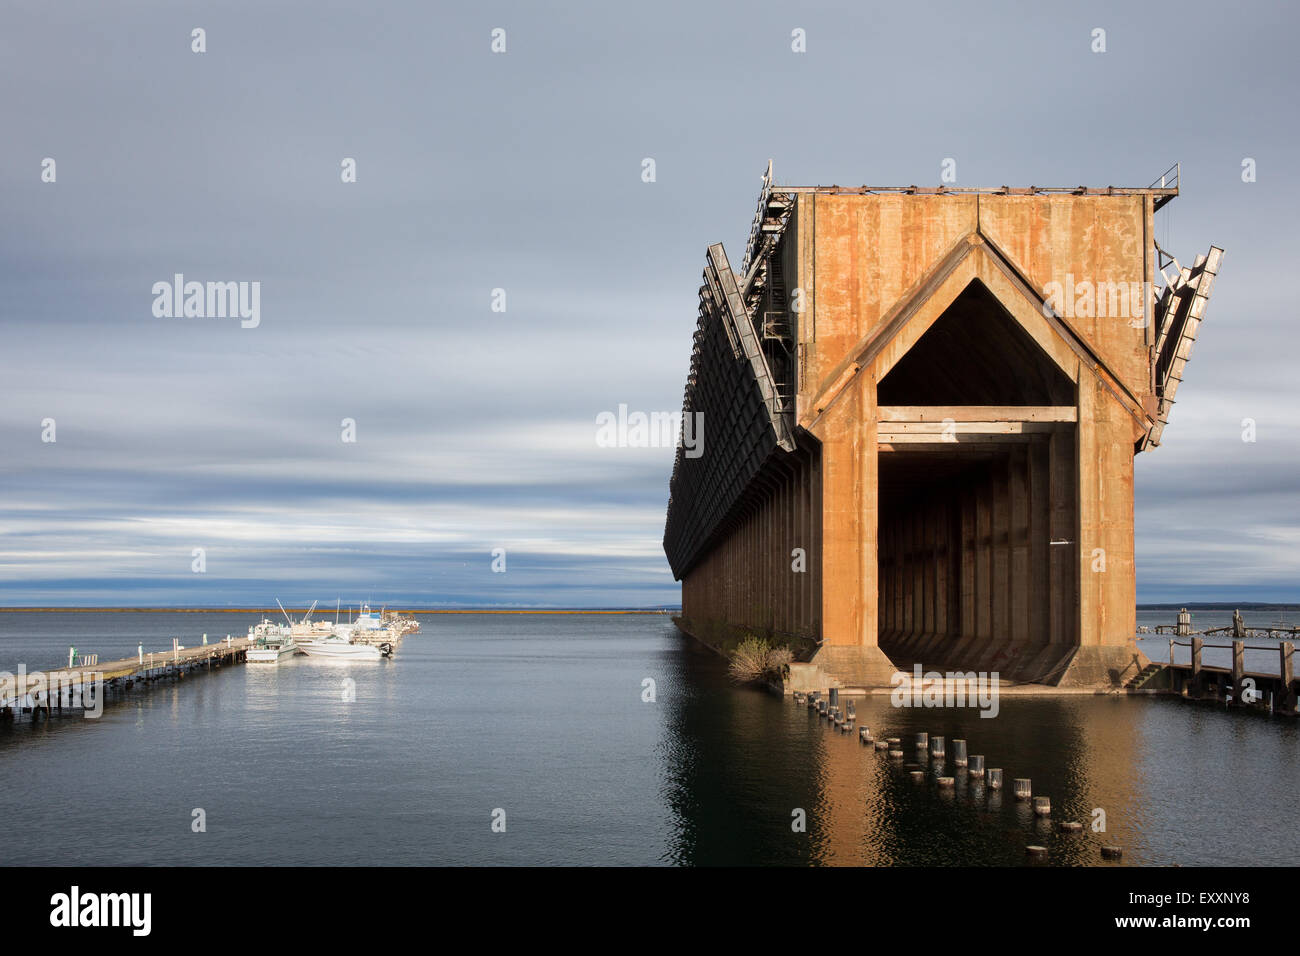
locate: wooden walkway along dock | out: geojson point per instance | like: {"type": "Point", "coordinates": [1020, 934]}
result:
{"type": "Point", "coordinates": [86, 687]}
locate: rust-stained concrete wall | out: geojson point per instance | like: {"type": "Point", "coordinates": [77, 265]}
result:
{"type": "Point", "coordinates": [752, 581]}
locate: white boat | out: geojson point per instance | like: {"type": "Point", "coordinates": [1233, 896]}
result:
{"type": "Point", "coordinates": [379, 628]}
{"type": "Point", "coordinates": [268, 642]}
{"type": "Point", "coordinates": [339, 647]}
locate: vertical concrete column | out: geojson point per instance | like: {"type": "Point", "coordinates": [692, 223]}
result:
{"type": "Point", "coordinates": [1039, 535]}
{"type": "Point", "coordinates": [869, 508]}
{"type": "Point", "coordinates": [849, 518]}
{"type": "Point", "coordinates": [1000, 552]}
{"type": "Point", "coordinates": [816, 561]}
{"type": "Point", "coordinates": [1017, 544]}
{"type": "Point", "coordinates": [1104, 465]}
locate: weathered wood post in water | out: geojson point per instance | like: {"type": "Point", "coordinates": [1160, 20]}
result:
{"type": "Point", "coordinates": [1238, 673]}
{"type": "Point", "coordinates": [1286, 701]}
{"type": "Point", "coordinates": [947, 395]}
{"type": "Point", "coordinates": [959, 753]}
{"type": "Point", "coordinates": [1198, 690]}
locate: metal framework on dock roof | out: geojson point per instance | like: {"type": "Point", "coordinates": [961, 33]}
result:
{"type": "Point", "coordinates": [1164, 189]}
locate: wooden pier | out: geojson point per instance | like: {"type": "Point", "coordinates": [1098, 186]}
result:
{"type": "Point", "coordinates": [85, 687]}
{"type": "Point", "coordinates": [1274, 691]}
{"type": "Point", "coordinates": [1237, 630]}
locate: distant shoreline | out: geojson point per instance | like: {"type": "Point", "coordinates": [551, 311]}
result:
{"type": "Point", "coordinates": [303, 610]}
{"type": "Point", "coordinates": [1223, 606]}
{"type": "Point", "coordinates": [1170, 606]}
{"type": "Point", "coordinates": [1173, 606]}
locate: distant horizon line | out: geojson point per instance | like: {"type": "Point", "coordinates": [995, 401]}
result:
{"type": "Point", "coordinates": [499, 609]}
{"type": "Point", "coordinates": [525, 609]}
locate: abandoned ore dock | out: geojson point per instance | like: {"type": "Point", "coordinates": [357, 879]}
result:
{"type": "Point", "coordinates": [923, 407]}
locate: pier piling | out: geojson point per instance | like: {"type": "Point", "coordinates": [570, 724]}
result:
{"type": "Point", "coordinates": [959, 753]}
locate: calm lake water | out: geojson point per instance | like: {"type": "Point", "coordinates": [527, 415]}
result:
{"type": "Point", "coordinates": [542, 716]}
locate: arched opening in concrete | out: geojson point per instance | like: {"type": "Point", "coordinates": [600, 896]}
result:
{"type": "Point", "coordinates": [977, 501]}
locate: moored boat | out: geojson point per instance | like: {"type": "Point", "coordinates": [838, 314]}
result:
{"type": "Point", "coordinates": [339, 647]}
{"type": "Point", "coordinates": [268, 642]}
{"type": "Point", "coordinates": [378, 629]}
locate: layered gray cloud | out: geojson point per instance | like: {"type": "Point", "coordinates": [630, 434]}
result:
{"type": "Point", "coordinates": [521, 171]}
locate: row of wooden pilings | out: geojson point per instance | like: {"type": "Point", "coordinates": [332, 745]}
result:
{"type": "Point", "coordinates": [1276, 692]}
{"type": "Point", "coordinates": [935, 751]}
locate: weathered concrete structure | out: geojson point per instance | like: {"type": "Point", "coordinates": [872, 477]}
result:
{"type": "Point", "coordinates": [921, 409]}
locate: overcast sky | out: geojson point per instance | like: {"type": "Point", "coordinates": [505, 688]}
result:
{"type": "Point", "coordinates": [522, 171]}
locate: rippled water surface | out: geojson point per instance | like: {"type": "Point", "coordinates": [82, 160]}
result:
{"type": "Point", "coordinates": [543, 717]}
